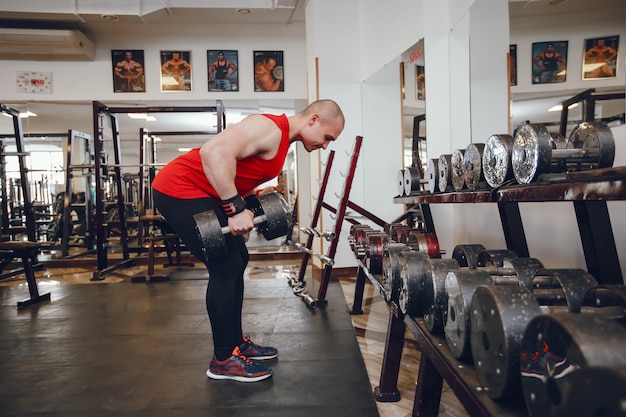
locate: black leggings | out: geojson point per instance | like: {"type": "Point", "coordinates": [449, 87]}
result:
{"type": "Point", "coordinates": [224, 295]}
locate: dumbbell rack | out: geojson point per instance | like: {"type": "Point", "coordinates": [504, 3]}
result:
{"type": "Point", "coordinates": [588, 191]}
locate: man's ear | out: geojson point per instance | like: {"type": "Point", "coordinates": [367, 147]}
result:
{"type": "Point", "coordinates": [315, 117]}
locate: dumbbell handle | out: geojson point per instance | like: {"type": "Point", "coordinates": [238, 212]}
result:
{"type": "Point", "coordinates": [256, 221]}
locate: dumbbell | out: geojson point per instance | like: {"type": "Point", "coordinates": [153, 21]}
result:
{"type": "Point", "coordinates": [499, 315]}
{"type": "Point", "coordinates": [373, 251]}
{"type": "Point", "coordinates": [555, 348]}
{"type": "Point", "coordinates": [591, 145]}
{"type": "Point", "coordinates": [358, 233]}
{"type": "Point", "coordinates": [472, 165]}
{"type": "Point", "coordinates": [460, 286]}
{"type": "Point", "coordinates": [457, 174]}
{"type": "Point", "coordinates": [272, 221]}
{"type": "Point", "coordinates": [595, 391]}
{"type": "Point", "coordinates": [413, 181]}
{"type": "Point", "coordinates": [392, 280]}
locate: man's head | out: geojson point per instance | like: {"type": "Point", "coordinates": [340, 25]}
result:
{"type": "Point", "coordinates": [600, 42]}
{"type": "Point", "coordinates": [550, 47]}
{"type": "Point", "coordinates": [324, 123]}
{"type": "Point", "coordinates": [220, 56]}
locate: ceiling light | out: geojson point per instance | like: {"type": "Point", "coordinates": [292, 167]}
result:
{"type": "Point", "coordinates": [27, 114]}
{"type": "Point", "coordinates": [110, 17]}
{"type": "Point", "coordinates": [244, 11]}
{"type": "Point", "coordinates": [559, 107]}
{"type": "Point", "coordinates": [142, 116]}
{"type": "Point", "coordinates": [184, 150]}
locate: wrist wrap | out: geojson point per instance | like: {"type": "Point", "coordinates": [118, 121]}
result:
{"type": "Point", "coordinates": [234, 205]}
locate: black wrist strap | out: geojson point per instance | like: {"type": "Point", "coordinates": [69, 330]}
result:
{"type": "Point", "coordinates": [234, 205]}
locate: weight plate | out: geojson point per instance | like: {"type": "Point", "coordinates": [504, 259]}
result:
{"type": "Point", "coordinates": [497, 159]}
{"type": "Point", "coordinates": [467, 255]}
{"type": "Point", "coordinates": [456, 164]}
{"type": "Point", "coordinates": [432, 176]}
{"type": "Point", "coordinates": [400, 183]}
{"type": "Point", "coordinates": [472, 165]}
{"type": "Point", "coordinates": [596, 138]}
{"type": "Point", "coordinates": [531, 154]}
{"type": "Point", "coordinates": [460, 287]}
{"type": "Point", "coordinates": [597, 391]}
{"type": "Point", "coordinates": [435, 300]}
{"type": "Point", "coordinates": [498, 318]}
{"type": "Point", "coordinates": [553, 349]}
{"type": "Point", "coordinates": [607, 300]}
{"type": "Point", "coordinates": [375, 244]}
{"type": "Point", "coordinates": [412, 179]}
{"type": "Point", "coordinates": [410, 298]}
{"type": "Point", "coordinates": [277, 216]}
{"type": "Point", "coordinates": [575, 284]}
{"type": "Point", "coordinates": [494, 257]}
{"type": "Point", "coordinates": [392, 280]}
{"type": "Point", "coordinates": [425, 242]}
{"type": "Point", "coordinates": [209, 232]}
{"type": "Point", "coordinates": [445, 173]}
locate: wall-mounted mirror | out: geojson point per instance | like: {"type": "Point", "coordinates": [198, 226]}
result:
{"type": "Point", "coordinates": [413, 84]}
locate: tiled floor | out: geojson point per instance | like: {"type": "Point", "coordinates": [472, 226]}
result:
{"type": "Point", "coordinates": [369, 327]}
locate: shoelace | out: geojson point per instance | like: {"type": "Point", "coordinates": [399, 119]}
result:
{"type": "Point", "coordinates": [250, 342]}
{"type": "Point", "coordinates": [237, 353]}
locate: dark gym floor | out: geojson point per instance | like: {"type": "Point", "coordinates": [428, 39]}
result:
{"type": "Point", "coordinates": [137, 349]}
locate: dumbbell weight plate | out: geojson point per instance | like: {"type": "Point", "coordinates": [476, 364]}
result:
{"type": "Point", "coordinates": [412, 181]}
{"type": "Point", "coordinates": [497, 324]}
{"type": "Point", "coordinates": [497, 159]}
{"type": "Point", "coordinates": [456, 164]}
{"type": "Point", "coordinates": [435, 299]}
{"type": "Point", "coordinates": [445, 172]}
{"type": "Point", "coordinates": [391, 270]}
{"type": "Point", "coordinates": [596, 391]}
{"type": "Point", "coordinates": [555, 346]}
{"type": "Point", "coordinates": [472, 165]}
{"type": "Point", "coordinates": [400, 183]}
{"type": "Point", "coordinates": [410, 297]}
{"type": "Point", "coordinates": [532, 153]}
{"type": "Point", "coordinates": [596, 137]}
{"type": "Point", "coordinates": [467, 254]}
{"type": "Point", "coordinates": [277, 218]}
{"type": "Point", "coordinates": [432, 176]}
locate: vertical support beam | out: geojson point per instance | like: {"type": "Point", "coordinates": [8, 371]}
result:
{"type": "Point", "coordinates": [121, 206]}
{"type": "Point", "coordinates": [513, 228]}
{"type": "Point", "coordinates": [596, 234]}
{"type": "Point", "coordinates": [29, 214]}
{"type": "Point", "coordinates": [101, 250]}
{"type": "Point", "coordinates": [387, 390]}
{"type": "Point", "coordinates": [359, 288]}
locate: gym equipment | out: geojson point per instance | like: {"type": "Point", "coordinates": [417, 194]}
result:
{"type": "Point", "coordinates": [374, 251]}
{"type": "Point", "coordinates": [467, 254]}
{"type": "Point", "coordinates": [472, 165]}
{"type": "Point", "coordinates": [445, 171]}
{"type": "Point", "coordinates": [271, 221]}
{"type": "Point", "coordinates": [556, 347]}
{"type": "Point", "coordinates": [410, 293]}
{"type": "Point", "coordinates": [326, 234]}
{"type": "Point", "coordinates": [596, 391]}
{"type": "Point", "coordinates": [325, 259]}
{"type": "Point", "coordinates": [392, 280]}
{"type": "Point", "coordinates": [460, 286]}
{"type": "Point", "coordinates": [457, 174]}
{"type": "Point", "coordinates": [497, 167]}
{"type": "Point", "coordinates": [591, 145]}
{"type": "Point", "coordinates": [412, 180]}
{"type": "Point", "coordinates": [608, 299]}
{"type": "Point", "coordinates": [499, 315]}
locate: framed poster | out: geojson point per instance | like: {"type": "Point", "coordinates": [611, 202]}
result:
{"type": "Point", "coordinates": [420, 83]}
{"type": "Point", "coordinates": [268, 71]}
{"type": "Point", "coordinates": [549, 62]}
{"type": "Point", "coordinates": [512, 65]}
{"type": "Point", "coordinates": [175, 71]}
{"type": "Point", "coordinates": [222, 65]}
{"type": "Point", "coordinates": [128, 71]}
{"type": "Point", "coordinates": [600, 58]}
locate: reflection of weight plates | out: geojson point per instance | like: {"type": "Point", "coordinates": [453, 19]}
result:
{"type": "Point", "coordinates": [277, 72]}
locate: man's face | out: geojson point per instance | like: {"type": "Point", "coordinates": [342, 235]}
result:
{"type": "Point", "coordinates": [318, 135]}
{"type": "Point", "coordinates": [220, 57]}
{"type": "Point", "coordinates": [128, 56]}
{"type": "Point", "coordinates": [550, 48]}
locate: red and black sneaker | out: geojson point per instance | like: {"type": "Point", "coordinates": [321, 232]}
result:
{"type": "Point", "coordinates": [253, 351]}
{"type": "Point", "coordinates": [238, 368]}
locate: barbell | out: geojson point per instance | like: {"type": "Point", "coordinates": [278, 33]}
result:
{"type": "Point", "coordinates": [272, 221]}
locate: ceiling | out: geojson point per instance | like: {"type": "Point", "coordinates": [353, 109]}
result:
{"type": "Point", "coordinates": [97, 16]}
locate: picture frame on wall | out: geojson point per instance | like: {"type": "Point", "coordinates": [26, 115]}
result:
{"type": "Point", "coordinates": [512, 65]}
{"type": "Point", "coordinates": [223, 70]}
{"type": "Point", "coordinates": [600, 58]}
{"type": "Point", "coordinates": [420, 82]}
{"type": "Point", "coordinates": [549, 62]}
{"type": "Point", "coordinates": [176, 71]}
{"type": "Point", "coordinates": [269, 70]}
{"type": "Point", "coordinates": [128, 71]}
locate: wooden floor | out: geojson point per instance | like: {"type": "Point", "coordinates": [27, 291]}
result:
{"type": "Point", "coordinates": [370, 328]}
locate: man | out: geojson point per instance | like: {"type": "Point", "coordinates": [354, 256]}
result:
{"type": "Point", "coordinates": [176, 68]}
{"type": "Point", "coordinates": [130, 75]}
{"type": "Point", "coordinates": [215, 177]}
{"type": "Point", "coordinates": [550, 63]}
{"type": "Point", "coordinates": [264, 80]}
{"type": "Point", "coordinates": [223, 69]}
{"type": "Point", "coordinates": [600, 60]}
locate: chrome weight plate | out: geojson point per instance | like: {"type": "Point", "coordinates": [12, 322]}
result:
{"type": "Point", "coordinates": [555, 347]}
{"type": "Point", "coordinates": [445, 172]}
{"type": "Point", "coordinates": [497, 159]}
{"type": "Point", "coordinates": [432, 176]}
{"type": "Point", "coordinates": [472, 165]}
{"type": "Point", "coordinates": [532, 153]}
{"type": "Point", "coordinates": [456, 163]}
{"type": "Point", "coordinates": [400, 183]}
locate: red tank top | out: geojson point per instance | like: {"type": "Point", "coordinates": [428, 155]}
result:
{"type": "Point", "coordinates": [184, 177]}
